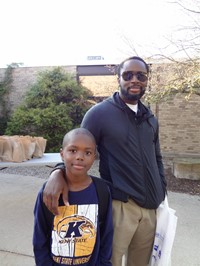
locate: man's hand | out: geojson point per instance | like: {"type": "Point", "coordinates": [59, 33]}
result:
{"type": "Point", "coordinates": [55, 186]}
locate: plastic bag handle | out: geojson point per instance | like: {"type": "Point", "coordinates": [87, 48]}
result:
{"type": "Point", "coordinates": [165, 202]}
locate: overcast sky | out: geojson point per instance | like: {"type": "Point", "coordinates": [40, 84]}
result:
{"type": "Point", "coordinates": [64, 32]}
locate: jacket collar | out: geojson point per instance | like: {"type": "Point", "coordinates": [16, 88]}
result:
{"type": "Point", "coordinates": [142, 109]}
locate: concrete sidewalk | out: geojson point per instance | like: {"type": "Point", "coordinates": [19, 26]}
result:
{"type": "Point", "coordinates": [17, 198]}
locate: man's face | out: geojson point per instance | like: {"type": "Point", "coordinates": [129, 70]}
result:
{"type": "Point", "coordinates": [132, 81]}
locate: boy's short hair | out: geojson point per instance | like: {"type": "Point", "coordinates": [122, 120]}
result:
{"type": "Point", "coordinates": [77, 131]}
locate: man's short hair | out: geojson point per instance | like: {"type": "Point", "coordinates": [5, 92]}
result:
{"type": "Point", "coordinates": [120, 66]}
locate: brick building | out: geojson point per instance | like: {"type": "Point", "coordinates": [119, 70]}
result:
{"type": "Point", "coordinates": [179, 119]}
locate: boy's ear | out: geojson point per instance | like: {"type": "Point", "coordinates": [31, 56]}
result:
{"type": "Point", "coordinates": [61, 154]}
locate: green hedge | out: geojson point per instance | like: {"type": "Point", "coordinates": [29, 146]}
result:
{"type": "Point", "coordinates": [55, 104]}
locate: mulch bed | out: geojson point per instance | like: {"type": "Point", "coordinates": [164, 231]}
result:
{"type": "Point", "coordinates": [181, 185]}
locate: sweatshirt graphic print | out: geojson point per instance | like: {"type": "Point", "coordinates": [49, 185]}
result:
{"type": "Point", "coordinates": [74, 234]}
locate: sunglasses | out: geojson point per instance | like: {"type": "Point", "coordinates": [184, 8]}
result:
{"type": "Point", "coordinates": [128, 75]}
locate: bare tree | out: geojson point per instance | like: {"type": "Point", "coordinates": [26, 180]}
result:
{"type": "Point", "coordinates": [189, 45]}
{"type": "Point", "coordinates": [180, 71]}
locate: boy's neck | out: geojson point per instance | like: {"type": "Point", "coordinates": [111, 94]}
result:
{"type": "Point", "coordinates": [78, 183]}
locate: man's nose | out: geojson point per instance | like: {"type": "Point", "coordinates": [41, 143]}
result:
{"type": "Point", "coordinates": [134, 78]}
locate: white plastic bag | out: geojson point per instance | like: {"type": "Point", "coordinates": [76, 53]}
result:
{"type": "Point", "coordinates": [164, 236]}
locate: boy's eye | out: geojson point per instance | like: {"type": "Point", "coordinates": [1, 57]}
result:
{"type": "Point", "coordinates": [72, 150]}
{"type": "Point", "coordinates": [88, 152]}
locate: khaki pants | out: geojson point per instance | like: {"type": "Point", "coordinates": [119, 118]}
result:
{"type": "Point", "coordinates": [134, 229]}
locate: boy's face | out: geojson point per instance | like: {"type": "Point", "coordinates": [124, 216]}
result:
{"type": "Point", "coordinates": [78, 154]}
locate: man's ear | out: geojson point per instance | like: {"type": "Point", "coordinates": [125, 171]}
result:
{"type": "Point", "coordinates": [118, 80]}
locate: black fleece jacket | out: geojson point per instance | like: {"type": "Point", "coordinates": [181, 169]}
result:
{"type": "Point", "coordinates": [129, 150]}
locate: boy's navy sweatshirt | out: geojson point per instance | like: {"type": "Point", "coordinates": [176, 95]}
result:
{"type": "Point", "coordinates": [73, 237]}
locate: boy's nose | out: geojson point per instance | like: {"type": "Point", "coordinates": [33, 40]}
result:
{"type": "Point", "coordinates": [79, 156]}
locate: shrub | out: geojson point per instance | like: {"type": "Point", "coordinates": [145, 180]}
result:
{"type": "Point", "coordinates": [52, 107]}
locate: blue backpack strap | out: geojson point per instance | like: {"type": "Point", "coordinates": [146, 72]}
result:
{"type": "Point", "coordinates": [103, 197]}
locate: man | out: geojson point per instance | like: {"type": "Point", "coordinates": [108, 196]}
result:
{"type": "Point", "coordinates": [127, 138]}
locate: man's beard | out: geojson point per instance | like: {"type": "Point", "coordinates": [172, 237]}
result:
{"type": "Point", "coordinates": [132, 97]}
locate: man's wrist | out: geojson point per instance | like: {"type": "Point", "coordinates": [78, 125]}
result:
{"type": "Point", "coordinates": [60, 166]}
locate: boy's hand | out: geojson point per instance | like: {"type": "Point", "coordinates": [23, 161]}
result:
{"type": "Point", "coordinates": [55, 186]}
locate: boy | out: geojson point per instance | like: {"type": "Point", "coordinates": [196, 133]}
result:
{"type": "Point", "coordinates": [76, 236]}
